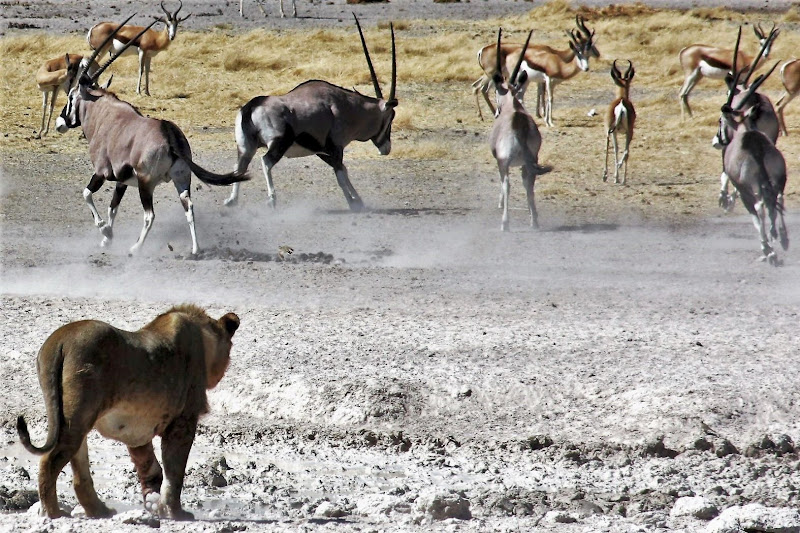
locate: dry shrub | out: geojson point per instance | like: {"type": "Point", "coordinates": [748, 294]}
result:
{"type": "Point", "coordinates": [399, 25]}
{"type": "Point", "coordinates": [791, 15]}
{"type": "Point", "coordinates": [616, 10]}
{"type": "Point", "coordinates": [554, 8]}
{"type": "Point", "coordinates": [713, 13]}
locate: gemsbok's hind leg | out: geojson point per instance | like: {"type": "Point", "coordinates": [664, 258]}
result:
{"type": "Point", "coordinates": [529, 181]}
{"type": "Point", "coordinates": [146, 196]}
{"type": "Point", "coordinates": [246, 154]}
{"type": "Point", "coordinates": [84, 486]}
{"type": "Point", "coordinates": [350, 194]}
{"type": "Point", "coordinates": [182, 178]}
{"type": "Point", "coordinates": [758, 214]}
{"type": "Point", "coordinates": [782, 232]}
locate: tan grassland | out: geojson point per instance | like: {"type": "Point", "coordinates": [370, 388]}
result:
{"type": "Point", "coordinates": [201, 81]}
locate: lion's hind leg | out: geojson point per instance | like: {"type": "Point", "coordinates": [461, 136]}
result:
{"type": "Point", "coordinates": [84, 486]}
{"type": "Point", "coordinates": [50, 466]}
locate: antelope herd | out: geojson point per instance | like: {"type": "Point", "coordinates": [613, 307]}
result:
{"type": "Point", "coordinates": [319, 118]}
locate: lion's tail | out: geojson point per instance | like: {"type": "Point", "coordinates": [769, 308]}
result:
{"type": "Point", "coordinates": [55, 411]}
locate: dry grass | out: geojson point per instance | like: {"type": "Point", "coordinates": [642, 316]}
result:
{"type": "Point", "coordinates": [203, 79]}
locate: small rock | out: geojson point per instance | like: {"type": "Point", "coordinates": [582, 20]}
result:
{"type": "Point", "coordinates": [538, 442]}
{"type": "Point", "coordinates": [757, 518]}
{"type": "Point", "coordinates": [443, 505]}
{"type": "Point", "coordinates": [694, 506]}
{"type": "Point", "coordinates": [559, 517]}
{"type": "Point", "coordinates": [724, 447]}
{"type": "Point", "coordinates": [329, 510]}
{"type": "Point", "coordinates": [138, 517]}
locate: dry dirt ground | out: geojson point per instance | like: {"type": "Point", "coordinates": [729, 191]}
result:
{"type": "Point", "coordinates": [412, 368]}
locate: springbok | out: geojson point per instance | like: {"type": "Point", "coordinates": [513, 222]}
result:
{"type": "Point", "coordinates": [756, 109]}
{"type": "Point", "coordinates": [148, 44]}
{"type": "Point", "coordinates": [515, 140]}
{"type": "Point", "coordinates": [699, 60]}
{"type": "Point", "coordinates": [488, 62]}
{"type": "Point", "coordinates": [620, 118]}
{"type": "Point", "coordinates": [315, 118]}
{"type": "Point", "coordinates": [56, 75]}
{"type": "Point", "coordinates": [130, 149]}
{"type": "Point", "coordinates": [283, 15]}
{"type": "Point", "coordinates": [790, 76]}
{"type": "Point", "coordinates": [756, 168]}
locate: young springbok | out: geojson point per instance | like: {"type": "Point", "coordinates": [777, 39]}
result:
{"type": "Point", "coordinates": [620, 118]}
{"type": "Point", "coordinates": [515, 140]}
{"type": "Point", "coordinates": [130, 149]}
{"type": "Point", "coordinates": [147, 44]}
{"type": "Point", "coordinates": [700, 60]}
{"type": "Point", "coordinates": [54, 76]}
{"type": "Point", "coordinates": [790, 76]}
{"type": "Point", "coordinates": [487, 59]}
{"type": "Point", "coordinates": [756, 168]}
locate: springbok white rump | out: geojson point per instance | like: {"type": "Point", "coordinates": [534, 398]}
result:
{"type": "Point", "coordinates": [515, 140]}
{"type": "Point", "coordinates": [756, 168]}
{"type": "Point", "coordinates": [130, 149]}
{"type": "Point", "coordinates": [790, 76]}
{"type": "Point", "coordinates": [315, 118]}
{"type": "Point", "coordinates": [147, 44]}
{"type": "Point", "coordinates": [56, 75]}
{"type": "Point", "coordinates": [620, 118]}
{"type": "Point", "coordinates": [700, 60]}
{"type": "Point", "coordinates": [581, 45]}
{"type": "Point", "coordinates": [756, 108]}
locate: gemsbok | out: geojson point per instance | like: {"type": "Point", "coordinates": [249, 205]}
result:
{"type": "Point", "coordinates": [315, 118]}
{"type": "Point", "coordinates": [757, 170]}
{"type": "Point", "coordinates": [581, 44]}
{"type": "Point", "coordinates": [259, 2]}
{"type": "Point", "coordinates": [757, 110]}
{"type": "Point", "coordinates": [515, 140]}
{"type": "Point", "coordinates": [54, 76]}
{"type": "Point", "coordinates": [620, 118]}
{"type": "Point", "coordinates": [790, 76]}
{"type": "Point", "coordinates": [699, 60]}
{"type": "Point", "coordinates": [147, 44]}
{"type": "Point", "coordinates": [130, 149]}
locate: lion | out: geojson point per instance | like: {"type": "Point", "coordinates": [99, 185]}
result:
{"type": "Point", "coordinates": [130, 386]}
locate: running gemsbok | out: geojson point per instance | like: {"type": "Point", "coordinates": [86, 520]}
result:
{"type": "Point", "coordinates": [755, 107]}
{"type": "Point", "coordinates": [315, 118]}
{"type": "Point", "coordinates": [56, 75]}
{"type": "Point", "coordinates": [620, 118]}
{"type": "Point", "coordinates": [130, 149]}
{"type": "Point", "coordinates": [515, 140]}
{"type": "Point", "coordinates": [790, 76]}
{"type": "Point", "coordinates": [700, 60]}
{"type": "Point", "coordinates": [757, 170]}
{"type": "Point", "coordinates": [147, 44]}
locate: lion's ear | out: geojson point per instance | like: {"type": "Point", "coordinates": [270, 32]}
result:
{"type": "Point", "coordinates": [230, 322]}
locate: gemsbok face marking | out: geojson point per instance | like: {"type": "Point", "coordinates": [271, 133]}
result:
{"type": "Point", "coordinates": [130, 149]}
{"type": "Point", "coordinates": [316, 118]}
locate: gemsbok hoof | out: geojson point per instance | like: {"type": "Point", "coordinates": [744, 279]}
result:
{"type": "Point", "coordinates": [230, 202]}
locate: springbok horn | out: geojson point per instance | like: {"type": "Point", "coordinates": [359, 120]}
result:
{"type": "Point", "coordinates": [754, 87]}
{"type": "Point", "coordinates": [180, 6]}
{"type": "Point", "coordinates": [130, 43]}
{"type": "Point", "coordinates": [630, 72]}
{"type": "Point", "coordinates": [102, 46]}
{"type": "Point", "coordinates": [394, 67]}
{"type": "Point", "coordinates": [581, 23]}
{"type": "Point", "coordinates": [512, 79]}
{"type": "Point", "coordinates": [378, 92]}
{"type": "Point", "coordinates": [164, 9]}
{"type": "Point", "coordinates": [771, 37]}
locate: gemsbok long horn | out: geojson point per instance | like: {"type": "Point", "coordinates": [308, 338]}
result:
{"type": "Point", "coordinates": [773, 34]}
{"type": "Point", "coordinates": [375, 83]}
{"type": "Point", "coordinates": [513, 78]}
{"type": "Point", "coordinates": [130, 43]}
{"type": "Point", "coordinates": [102, 46]}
